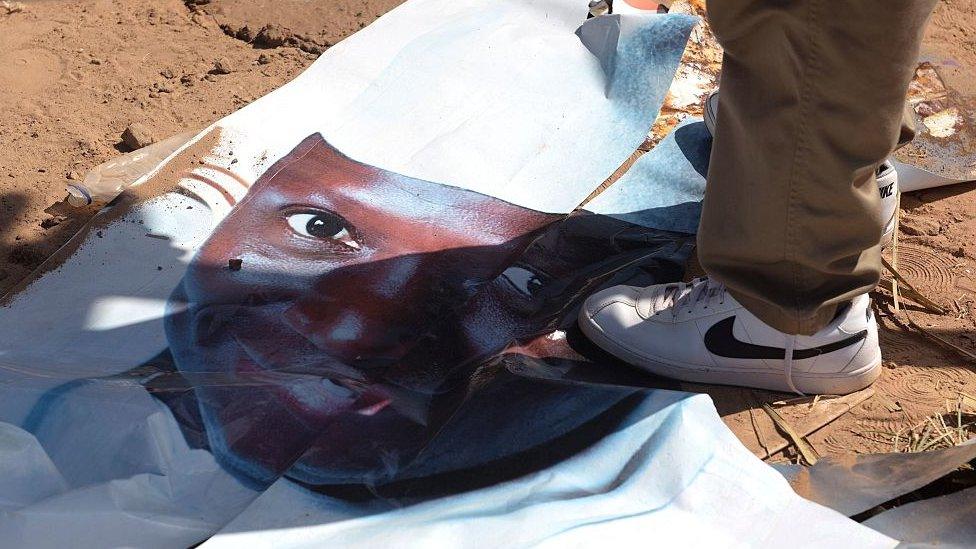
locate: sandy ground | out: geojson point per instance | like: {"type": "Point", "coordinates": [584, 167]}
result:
{"type": "Point", "coordinates": [75, 74]}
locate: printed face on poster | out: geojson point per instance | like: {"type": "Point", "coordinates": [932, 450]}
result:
{"type": "Point", "coordinates": [364, 284]}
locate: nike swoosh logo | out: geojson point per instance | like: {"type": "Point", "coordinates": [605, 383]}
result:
{"type": "Point", "coordinates": [719, 340]}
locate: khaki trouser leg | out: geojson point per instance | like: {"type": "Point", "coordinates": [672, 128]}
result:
{"type": "Point", "coordinates": [812, 102]}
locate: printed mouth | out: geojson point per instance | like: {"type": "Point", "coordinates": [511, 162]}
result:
{"type": "Point", "coordinates": [315, 385]}
{"type": "Point", "coordinates": [319, 389]}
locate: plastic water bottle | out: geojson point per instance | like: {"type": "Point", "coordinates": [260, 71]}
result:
{"type": "Point", "coordinates": [105, 181]}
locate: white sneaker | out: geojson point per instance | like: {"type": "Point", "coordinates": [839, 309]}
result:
{"type": "Point", "coordinates": [697, 332]}
{"type": "Point", "coordinates": [887, 176]}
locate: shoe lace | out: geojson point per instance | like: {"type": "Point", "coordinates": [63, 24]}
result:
{"type": "Point", "coordinates": [699, 292]}
{"type": "Point", "coordinates": [788, 363]}
{"type": "Point", "coordinates": [703, 292]}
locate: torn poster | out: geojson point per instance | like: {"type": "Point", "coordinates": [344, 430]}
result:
{"type": "Point", "coordinates": [345, 315]}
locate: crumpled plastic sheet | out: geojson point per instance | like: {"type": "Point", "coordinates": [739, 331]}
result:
{"type": "Point", "coordinates": [856, 483]}
{"type": "Point", "coordinates": [914, 178]}
{"type": "Point", "coordinates": [945, 522]}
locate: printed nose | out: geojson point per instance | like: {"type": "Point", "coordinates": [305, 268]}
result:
{"type": "Point", "coordinates": [351, 331]}
{"type": "Point", "coordinates": [367, 311]}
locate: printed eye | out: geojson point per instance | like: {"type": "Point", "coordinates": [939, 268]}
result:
{"type": "Point", "coordinates": [523, 280]}
{"type": "Point", "coordinates": [323, 226]}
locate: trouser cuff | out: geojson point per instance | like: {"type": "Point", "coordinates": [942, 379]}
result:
{"type": "Point", "coordinates": [784, 320]}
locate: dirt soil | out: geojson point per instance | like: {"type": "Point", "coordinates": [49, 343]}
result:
{"type": "Point", "coordinates": [74, 74]}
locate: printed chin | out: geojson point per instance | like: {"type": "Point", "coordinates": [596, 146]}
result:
{"type": "Point", "coordinates": [359, 449]}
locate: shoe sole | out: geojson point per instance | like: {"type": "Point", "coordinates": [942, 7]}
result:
{"type": "Point", "coordinates": [813, 384]}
